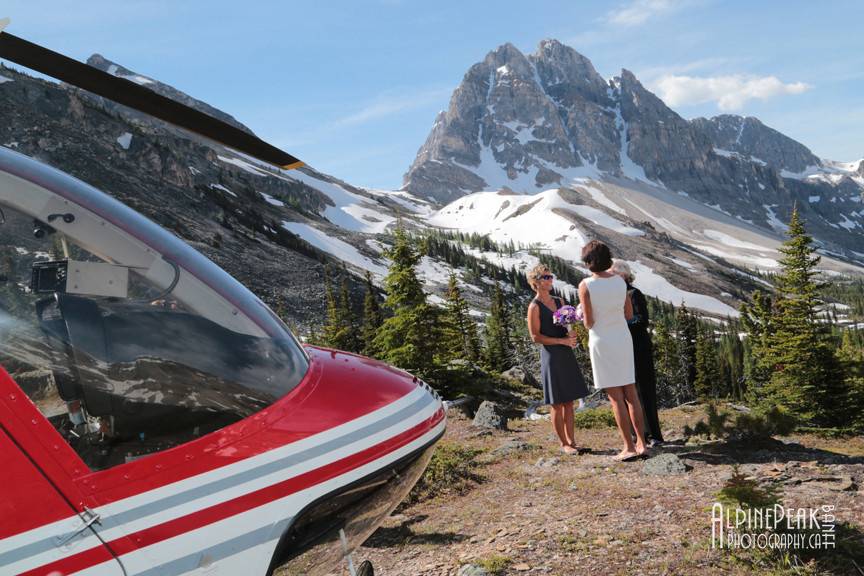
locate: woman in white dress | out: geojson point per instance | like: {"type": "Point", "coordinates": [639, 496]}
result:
{"type": "Point", "coordinates": [606, 309]}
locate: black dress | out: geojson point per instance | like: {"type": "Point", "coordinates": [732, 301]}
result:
{"type": "Point", "coordinates": [646, 382]}
{"type": "Point", "coordinates": [559, 371]}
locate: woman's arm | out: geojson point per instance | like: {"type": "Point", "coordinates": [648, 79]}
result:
{"type": "Point", "coordinates": [537, 337]}
{"type": "Point", "coordinates": [585, 300]}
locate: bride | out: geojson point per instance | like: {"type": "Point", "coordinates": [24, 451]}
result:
{"type": "Point", "coordinates": [606, 308]}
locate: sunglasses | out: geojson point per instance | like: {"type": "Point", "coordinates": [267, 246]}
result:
{"type": "Point", "coordinates": [546, 277]}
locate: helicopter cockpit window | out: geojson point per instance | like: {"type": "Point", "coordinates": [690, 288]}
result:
{"type": "Point", "coordinates": [128, 358]}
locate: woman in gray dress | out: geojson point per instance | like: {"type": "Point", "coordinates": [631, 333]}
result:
{"type": "Point", "coordinates": [559, 371]}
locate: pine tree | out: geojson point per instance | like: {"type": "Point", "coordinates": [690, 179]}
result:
{"type": "Point", "coordinates": [758, 320]}
{"type": "Point", "coordinates": [497, 335]}
{"type": "Point", "coordinates": [337, 330]}
{"type": "Point", "coordinates": [350, 340]}
{"type": "Point", "coordinates": [851, 356]}
{"type": "Point", "coordinates": [460, 332]}
{"type": "Point", "coordinates": [707, 381]}
{"type": "Point", "coordinates": [408, 339]}
{"type": "Point", "coordinates": [731, 358]}
{"type": "Point", "coordinates": [372, 319]}
{"type": "Point", "coordinates": [667, 364]}
{"type": "Point", "coordinates": [805, 377]}
{"type": "Point", "coordinates": [685, 324]}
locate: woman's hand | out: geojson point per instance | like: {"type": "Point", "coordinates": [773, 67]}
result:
{"type": "Point", "coordinates": [572, 340]}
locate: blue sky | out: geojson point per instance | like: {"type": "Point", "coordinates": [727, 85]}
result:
{"type": "Point", "coordinates": [352, 88]}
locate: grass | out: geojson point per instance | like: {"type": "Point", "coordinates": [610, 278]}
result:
{"type": "Point", "coordinates": [594, 418]}
{"type": "Point", "coordinates": [452, 470]}
{"type": "Point", "coordinates": [494, 565]}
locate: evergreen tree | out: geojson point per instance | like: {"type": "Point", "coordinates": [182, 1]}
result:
{"type": "Point", "coordinates": [409, 337]}
{"type": "Point", "coordinates": [805, 377]}
{"type": "Point", "coordinates": [372, 319]}
{"type": "Point", "coordinates": [851, 355]}
{"type": "Point", "coordinates": [497, 335]}
{"type": "Point", "coordinates": [686, 326]}
{"type": "Point", "coordinates": [707, 381]}
{"type": "Point", "coordinates": [667, 364]}
{"type": "Point", "coordinates": [731, 361]}
{"type": "Point", "coordinates": [758, 320]}
{"type": "Point", "coordinates": [459, 330]}
{"type": "Point", "coordinates": [338, 330]}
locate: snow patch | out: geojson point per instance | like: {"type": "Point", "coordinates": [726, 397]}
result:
{"type": "Point", "coordinates": [223, 188]}
{"type": "Point", "coordinates": [4, 79]}
{"type": "Point", "coordinates": [350, 211]}
{"type": "Point", "coordinates": [629, 168]}
{"type": "Point", "coordinates": [682, 263]}
{"type": "Point", "coordinates": [598, 196]}
{"type": "Point", "coordinates": [125, 140]}
{"type": "Point", "coordinates": [271, 200]}
{"type": "Point", "coordinates": [773, 221]}
{"type": "Point", "coordinates": [733, 242]}
{"type": "Point", "coordinates": [334, 246]}
{"type": "Point", "coordinates": [655, 285]}
{"type": "Point", "coordinates": [847, 223]}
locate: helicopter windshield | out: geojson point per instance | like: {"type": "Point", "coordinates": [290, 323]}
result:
{"type": "Point", "coordinates": [125, 338]}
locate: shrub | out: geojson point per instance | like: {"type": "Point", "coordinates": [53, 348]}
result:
{"type": "Point", "coordinates": [765, 423]}
{"type": "Point", "coordinates": [451, 470]}
{"type": "Point", "coordinates": [494, 565]}
{"type": "Point", "coordinates": [594, 418]}
{"type": "Point", "coordinates": [759, 424]}
{"type": "Point", "coordinates": [744, 492]}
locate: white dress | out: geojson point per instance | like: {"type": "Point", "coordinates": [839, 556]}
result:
{"type": "Point", "coordinates": [609, 341]}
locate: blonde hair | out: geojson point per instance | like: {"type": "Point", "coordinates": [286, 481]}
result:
{"type": "Point", "coordinates": [535, 273]}
{"type": "Point", "coordinates": [621, 267]}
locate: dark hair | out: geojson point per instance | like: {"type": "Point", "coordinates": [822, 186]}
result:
{"type": "Point", "coordinates": [597, 256]}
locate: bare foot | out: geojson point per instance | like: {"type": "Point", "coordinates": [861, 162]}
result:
{"type": "Point", "coordinates": [569, 450]}
{"type": "Point", "coordinates": [644, 451]}
{"type": "Point", "coordinates": [625, 455]}
{"type": "Point", "coordinates": [581, 449]}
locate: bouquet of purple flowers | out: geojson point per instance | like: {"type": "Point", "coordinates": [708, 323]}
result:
{"type": "Point", "coordinates": [568, 316]}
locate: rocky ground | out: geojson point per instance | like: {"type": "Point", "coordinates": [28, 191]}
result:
{"type": "Point", "coordinates": [538, 511]}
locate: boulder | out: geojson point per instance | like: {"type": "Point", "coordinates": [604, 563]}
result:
{"type": "Point", "coordinates": [665, 464]}
{"type": "Point", "coordinates": [471, 570]}
{"type": "Point", "coordinates": [520, 375]}
{"type": "Point", "coordinates": [490, 416]}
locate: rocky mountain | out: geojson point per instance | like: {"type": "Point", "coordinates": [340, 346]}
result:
{"type": "Point", "coordinates": [273, 230]}
{"type": "Point", "coordinates": [548, 119]}
{"type": "Point", "coordinates": [102, 63]}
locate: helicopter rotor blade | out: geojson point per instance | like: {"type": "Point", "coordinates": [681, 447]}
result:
{"type": "Point", "coordinates": [130, 94]}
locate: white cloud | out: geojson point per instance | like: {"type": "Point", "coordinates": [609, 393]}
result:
{"type": "Point", "coordinates": [730, 92]}
{"type": "Point", "coordinates": [639, 11]}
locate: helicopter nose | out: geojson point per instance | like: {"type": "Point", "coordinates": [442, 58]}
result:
{"type": "Point", "coordinates": [429, 390]}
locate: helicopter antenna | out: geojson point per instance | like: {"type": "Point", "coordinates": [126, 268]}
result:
{"type": "Point", "coordinates": [128, 93]}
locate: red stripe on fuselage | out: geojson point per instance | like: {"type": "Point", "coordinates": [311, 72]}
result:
{"type": "Point", "coordinates": [217, 512]}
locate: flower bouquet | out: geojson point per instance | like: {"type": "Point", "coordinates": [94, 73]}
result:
{"type": "Point", "coordinates": [568, 316]}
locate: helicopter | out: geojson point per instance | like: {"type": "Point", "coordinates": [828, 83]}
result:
{"type": "Point", "coordinates": [156, 417]}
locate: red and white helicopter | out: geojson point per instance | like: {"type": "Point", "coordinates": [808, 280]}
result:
{"type": "Point", "coordinates": [156, 418]}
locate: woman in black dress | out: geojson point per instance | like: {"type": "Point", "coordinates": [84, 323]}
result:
{"type": "Point", "coordinates": [643, 352]}
{"type": "Point", "coordinates": [559, 370]}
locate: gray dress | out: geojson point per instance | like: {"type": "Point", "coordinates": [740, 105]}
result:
{"type": "Point", "coordinates": [559, 371]}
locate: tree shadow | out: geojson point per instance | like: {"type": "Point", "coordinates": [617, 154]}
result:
{"type": "Point", "coordinates": [403, 534]}
{"type": "Point", "coordinates": [761, 451]}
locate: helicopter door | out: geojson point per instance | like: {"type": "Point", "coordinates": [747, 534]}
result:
{"type": "Point", "coordinates": [40, 531]}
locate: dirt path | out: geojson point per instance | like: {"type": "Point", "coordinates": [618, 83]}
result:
{"type": "Point", "coordinates": [541, 512]}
